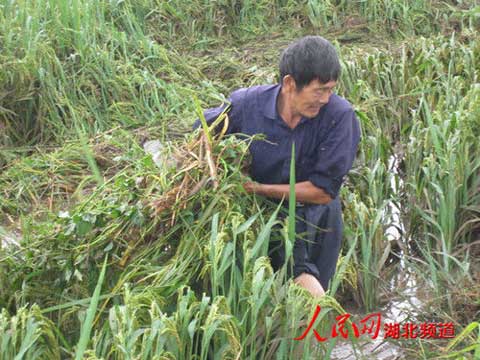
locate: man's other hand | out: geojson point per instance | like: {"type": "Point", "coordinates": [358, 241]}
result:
{"type": "Point", "coordinates": [251, 187]}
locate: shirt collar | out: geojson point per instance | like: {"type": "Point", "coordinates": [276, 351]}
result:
{"type": "Point", "coordinates": [270, 109]}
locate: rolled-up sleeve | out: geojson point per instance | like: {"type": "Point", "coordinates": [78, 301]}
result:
{"type": "Point", "coordinates": [233, 105]}
{"type": "Point", "coordinates": [335, 154]}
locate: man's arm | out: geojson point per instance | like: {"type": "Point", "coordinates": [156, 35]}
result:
{"type": "Point", "coordinates": [336, 153]}
{"type": "Point", "coordinates": [305, 191]}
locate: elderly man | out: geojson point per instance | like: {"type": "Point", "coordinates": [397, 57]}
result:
{"type": "Point", "coordinates": [302, 109]}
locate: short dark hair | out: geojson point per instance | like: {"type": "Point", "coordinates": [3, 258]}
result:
{"type": "Point", "coordinates": [309, 58]}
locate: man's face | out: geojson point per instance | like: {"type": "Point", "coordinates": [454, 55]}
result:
{"type": "Point", "coordinates": [308, 101]}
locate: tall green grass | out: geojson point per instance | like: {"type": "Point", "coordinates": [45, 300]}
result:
{"type": "Point", "coordinates": [419, 104]}
{"type": "Point", "coordinates": [101, 64]}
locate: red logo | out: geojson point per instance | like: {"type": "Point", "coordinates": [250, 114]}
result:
{"type": "Point", "coordinates": [372, 324]}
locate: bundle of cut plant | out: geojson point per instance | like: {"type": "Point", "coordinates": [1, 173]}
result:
{"type": "Point", "coordinates": [200, 163]}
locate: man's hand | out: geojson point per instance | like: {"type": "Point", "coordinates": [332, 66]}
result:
{"type": "Point", "coordinates": [251, 187]}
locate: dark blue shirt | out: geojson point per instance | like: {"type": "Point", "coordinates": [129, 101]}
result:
{"type": "Point", "coordinates": [325, 146]}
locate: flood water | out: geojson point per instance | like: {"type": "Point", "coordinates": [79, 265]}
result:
{"type": "Point", "coordinates": [405, 304]}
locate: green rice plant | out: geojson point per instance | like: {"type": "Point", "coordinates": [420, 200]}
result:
{"type": "Point", "coordinates": [292, 203]}
{"type": "Point", "coordinates": [378, 82]}
{"type": "Point", "coordinates": [409, 17]}
{"type": "Point", "coordinates": [194, 329]}
{"type": "Point", "coordinates": [398, 18]}
{"type": "Point", "coordinates": [55, 178]}
{"type": "Point", "coordinates": [387, 85]}
{"type": "Point", "coordinates": [469, 17]}
{"type": "Point", "coordinates": [445, 180]}
{"type": "Point", "coordinates": [373, 250]}
{"type": "Point", "coordinates": [472, 349]}
{"type": "Point", "coordinates": [367, 216]}
{"type": "Point", "coordinates": [88, 76]}
{"type": "Point", "coordinates": [345, 272]}
{"type": "Point", "coordinates": [28, 335]}
{"type": "Point", "coordinates": [203, 329]}
{"type": "Point", "coordinates": [321, 14]}
{"type": "Point", "coordinates": [87, 324]}
{"type": "Point", "coordinates": [129, 71]}
{"type": "Point", "coordinates": [41, 178]}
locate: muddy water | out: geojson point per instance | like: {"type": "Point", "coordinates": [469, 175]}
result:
{"type": "Point", "coordinates": [404, 281]}
{"type": "Point", "coordinates": [8, 238]}
{"type": "Point", "coordinates": [375, 349]}
{"type": "Point", "coordinates": [404, 307]}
